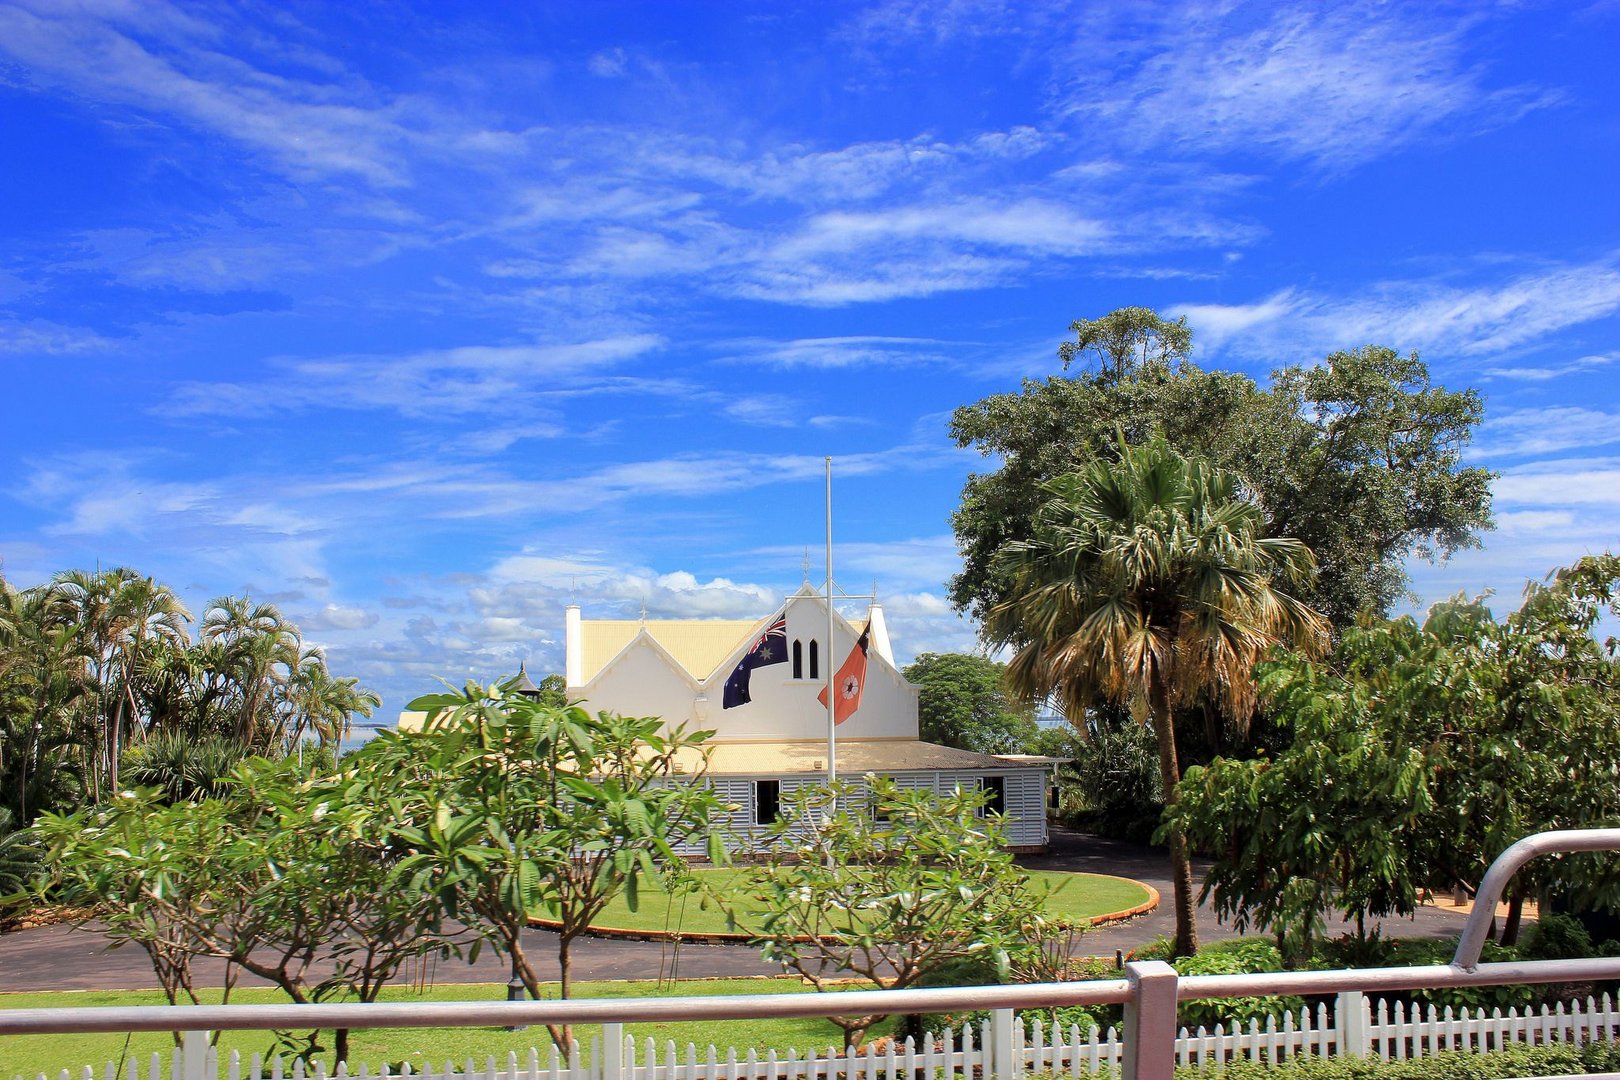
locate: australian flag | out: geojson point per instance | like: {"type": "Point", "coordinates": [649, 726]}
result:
{"type": "Point", "coordinates": [771, 648]}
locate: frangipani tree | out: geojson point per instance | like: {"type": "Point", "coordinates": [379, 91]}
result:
{"type": "Point", "coordinates": [1150, 582]}
{"type": "Point", "coordinates": [514, 807]}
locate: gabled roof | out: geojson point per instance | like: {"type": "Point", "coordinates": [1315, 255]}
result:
{"type": "Point", "coordinates": [697, 645]}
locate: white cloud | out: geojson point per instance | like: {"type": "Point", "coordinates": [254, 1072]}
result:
{"type": "Point", "coordinates": [1217, 324]}
{"type": "Point", "coordinates": [839, 352]}
{"type": "Point", "coordinates": [175, 67]}
{"type": "Point", "coordinates": [1479, 319]}
{"type": "Point", "coordinates": [608, 64]}
{"type": "Point", "coordinates": [1545, 373]}
{"type": "Point", "coordinates": [1332, 86]}
{"type": "Point", "coordinates": [340, 617]}
{"type": "Point", "coordinates": [1544, 430]}
{"type": "Point", "coordinates": [41, 338]}
{"type": "Point", "coordinates": [433, 382]}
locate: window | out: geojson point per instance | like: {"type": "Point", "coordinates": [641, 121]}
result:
{"type": "Point", "coordinates": [767, 802]}
{"type": "Point", "coordinates": [995, 792]}
{"type": "Point", "coordinates": [814, 674]}
{"type": "Point", "coordinates": [798, 659]}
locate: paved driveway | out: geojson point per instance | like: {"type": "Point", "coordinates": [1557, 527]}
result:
{"type": "Point", "coordinates": [61, 958]}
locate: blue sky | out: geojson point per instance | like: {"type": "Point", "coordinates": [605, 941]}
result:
{"type": "Point", "coordinates": [418, 321]}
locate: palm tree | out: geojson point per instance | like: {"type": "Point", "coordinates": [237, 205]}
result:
{"type": "Point", "coordinates": [1149, 583]}
{"type": "Point", "coordinates": [121, 615]}
{"type": "Point", "coordinates": [322, 704]}
{"type": "Point", "coordinates": [261, 649]}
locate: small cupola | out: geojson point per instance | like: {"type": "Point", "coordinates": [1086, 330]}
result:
{"type": "Point", "coordinates": [524, 686]}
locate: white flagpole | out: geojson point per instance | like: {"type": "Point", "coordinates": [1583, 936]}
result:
{"type": "Point", "coordinates": [827, 657]}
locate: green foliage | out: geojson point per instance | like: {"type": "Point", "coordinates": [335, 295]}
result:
{"type": "Point", "coordinates": [270, 875]}
{"type": "Point", "coordinates": [1359, 457]}
{"type": "Point", "coordinates": [1149, 584]}
{"type": "Point", "coordinates": [506, 804]}
{"type": "Point", "coordinates": [1556, 936]}
{"type": "Point", "coordinates": [1116, 772]}
{"type": "Point", "coordinates": [184, 769]}
{"type": "Point", "coordinates": [1418, 754]}
{"type": "Point", "coordinates": [962, 703]}
{"type": "Point", "coordinates": [19, 865]}
{"type": "Point", "coordinates": [1233, 957]}
{"type": "Point", "coordinates": [98, 665]}
{"type": "Point", "coordinates": [1553, 1059]}
{"type": "Point", "coordinates": [1419, 952]}
{"type": "Point", "coordinates": [893, 897]}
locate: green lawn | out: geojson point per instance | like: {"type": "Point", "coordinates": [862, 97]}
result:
{"type": "Point", "coordinates": [1072, 896]}
{"type": "Point", "coordinates": [29, 1055]}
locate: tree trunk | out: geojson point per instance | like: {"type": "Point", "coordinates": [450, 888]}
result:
{"type": "Point", "coordinates": [340, 1046]}
{"type": "Point", "coordinates": [1180, 860]}
{"type": "Point", "coordinates": [1510, 932]}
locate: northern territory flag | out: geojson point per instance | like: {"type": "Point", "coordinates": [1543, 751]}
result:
{"type": "Point", "coordinates": [850, 680]}
{"type": "Point", "coordinates": [771, 648]}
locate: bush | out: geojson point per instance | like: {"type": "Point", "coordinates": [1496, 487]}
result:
{"type": "Point", "coordinates": [1548, 1060]}
{"type": "Point", "coordinates": [1417, 952]}
{"type": "Point", "coordinates": [1235, 957]}
{"type": "Point", "coordinates": [1116, 771]}
{"type": "Point", "coordinates": [1557, 937]}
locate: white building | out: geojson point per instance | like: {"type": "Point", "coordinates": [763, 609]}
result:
{"type": "Point", "coordinates": [762, 750]}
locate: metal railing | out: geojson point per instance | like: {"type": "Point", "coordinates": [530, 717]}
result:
{"type": "Point", "coordinates": [1149, 992]}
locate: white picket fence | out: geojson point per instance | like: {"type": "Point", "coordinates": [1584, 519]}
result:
{"type": "Point", "coordinates": [1390, 1033]}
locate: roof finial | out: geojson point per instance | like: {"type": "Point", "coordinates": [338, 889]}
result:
{"type": "Point", "coordinates": [874, 590]}
{"type": "Point", "coordinates": [806, 565]}
{"type": "Point", "coordinates": [643, 612]}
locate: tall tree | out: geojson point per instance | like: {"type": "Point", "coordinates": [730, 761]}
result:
{"type": "Point", "coordinates": [260, 648]}
{"type": "Point", "coordinates": [121, 616]}
{"type": "Point", "coordinates": [1418, 754]}
{"type": "Point", "coordinates": [323, 704]}
{"type": "Point", "coordinates": [1359, 456]}
{"type": "Point", "coordinates": [1150, 582]}
{"type": "Point", "coordinates": [963, 704]}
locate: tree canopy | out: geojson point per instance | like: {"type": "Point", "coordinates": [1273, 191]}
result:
{"type": "Point", "coordinates": [1418, 754]}
{"type": "Point", "coordinates": [1358, 457]}
{"type": "Point", "coordinates": [963, 704]}
{"type": "Point", "coordinates": [1149, 583]}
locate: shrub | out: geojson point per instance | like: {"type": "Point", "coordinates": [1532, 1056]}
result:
{"type": "Point", "coordinates": [1557, 937]}
{"type": "Point", "coordinates": [1235, 957]}
{"type": "Point", "coordinates": [1547, 1060]}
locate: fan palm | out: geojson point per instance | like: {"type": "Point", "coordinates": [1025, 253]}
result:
{"type": "Point", "coordinates": [1149, 582]}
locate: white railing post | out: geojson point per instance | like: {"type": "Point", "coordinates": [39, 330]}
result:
{"type": "Point", "coordinates": [1001, 1044]}
{"type": "Point", "coordinates": [194, 1055]}
{"type": "Point", "coordinates": [1350, 1012]}
{"type": "Point", "coordinates": [1150, 1021]}
{"type": "Point", "coordinates": [612, 1052]}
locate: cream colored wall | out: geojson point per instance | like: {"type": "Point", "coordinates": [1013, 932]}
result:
{"type": "Point", "coordinates": [640, 682]}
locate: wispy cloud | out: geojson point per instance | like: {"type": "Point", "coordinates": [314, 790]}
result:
{"type": "Point", "coordinates": [1546, 372]}
{"type": "Point", "coordinates": [467, 379]}
{"type": "Point", "coordinates": [1545, 430]}
{"type": "Point", "coordinates": [839, 352]}
{"type": "Point", "coordinates": [1333, 86]}
{"type": "Point", "coordinates": [1476, 319]}
{"type": "Point", "coordinates": [157, 57]}
{"type": "Point", "coordinates": [39, 337]}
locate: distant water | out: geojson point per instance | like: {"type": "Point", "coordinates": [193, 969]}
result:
{"type": "Point", "coordinates": [359, 736]}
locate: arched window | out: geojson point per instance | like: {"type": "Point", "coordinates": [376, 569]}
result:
{"type": "Point", "coordinates": [798, 659]}
{"type": "Point", "coordinates": [814, 667]}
